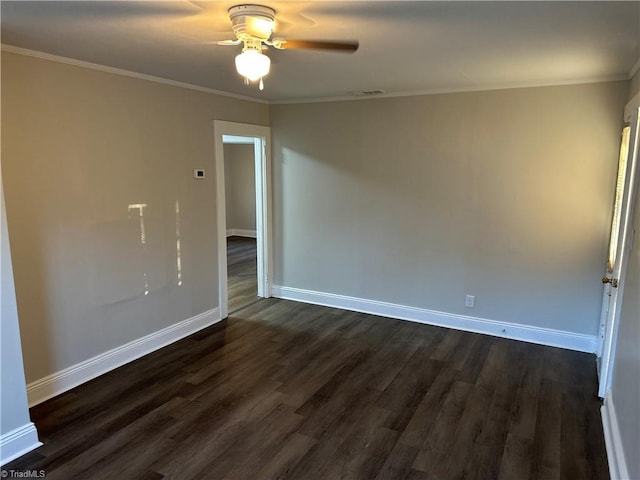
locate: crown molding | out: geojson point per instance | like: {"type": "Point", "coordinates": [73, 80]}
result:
{"type": "Point", "coordinates": [341, 98]}
{"type": "Point", "coordinates": [439, 91]}
{"type": "Point", "coordinates": [126, 73]}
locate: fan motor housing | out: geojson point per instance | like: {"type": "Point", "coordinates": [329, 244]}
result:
{"type": "Point", "coordinates": [252, 21]}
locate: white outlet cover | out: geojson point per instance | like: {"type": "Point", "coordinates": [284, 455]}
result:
{"type": "Point", "coordinates": [469, 301]}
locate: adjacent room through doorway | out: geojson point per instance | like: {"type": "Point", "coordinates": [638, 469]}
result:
{"type": "Point", "coordinates": [240, 208]}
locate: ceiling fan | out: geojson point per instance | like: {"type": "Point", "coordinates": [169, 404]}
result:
{"type": "Point", "coordinates": [253, 27]}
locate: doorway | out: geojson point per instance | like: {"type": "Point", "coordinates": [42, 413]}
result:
{"type": "Point", "coordinates": [259, 137]}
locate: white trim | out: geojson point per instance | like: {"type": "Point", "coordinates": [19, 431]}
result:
{"type": "Point", "coordinates": [440, 91]}
{"type": "Point", "coordinates": [126, 73]}
{"type": "Point", "coordinates": [543, 336]}
{"type": "Point", "coordinates": [238, 232]}
{"type": "Point", "coordinates": [59, 382]}
{"type": "Point", "coordinates": [262, 154]}
{"type": "Point", "coordinates": [18, 442]}
{"type": "Point", "coordinates": [264, 212]}
{"type": "Point", "coordinates": [613, 441]}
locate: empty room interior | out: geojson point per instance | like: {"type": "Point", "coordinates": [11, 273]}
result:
{"type": "Point", "coordinates": [320, 240]}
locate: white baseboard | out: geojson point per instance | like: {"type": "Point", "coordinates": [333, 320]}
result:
{"type": "Point", "coordinates": [59, 382]}
{"type": "Point", "coordinates": [238, 232]}
{"type": "Point", "coordinates": [543, 336]}
{"type": "Point", "coordinates": [18, 442]}
{"type": "Point", "coordinates": [613, 441]}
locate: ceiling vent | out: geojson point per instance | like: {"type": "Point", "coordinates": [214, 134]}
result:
{"type": "Point", "coordinates": [367, 93]}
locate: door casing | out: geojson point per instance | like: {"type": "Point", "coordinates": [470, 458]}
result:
{"type": "Point", "coordinates": [262, 136]}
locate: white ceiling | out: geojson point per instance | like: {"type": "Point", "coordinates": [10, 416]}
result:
{"type": "Point", "coordinates": [405, 47]}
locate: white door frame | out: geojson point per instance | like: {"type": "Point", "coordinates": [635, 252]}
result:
{"type": "Point", "coordinates": [612, 297]}
{"type": "Point", "coordinates": [262, 143]}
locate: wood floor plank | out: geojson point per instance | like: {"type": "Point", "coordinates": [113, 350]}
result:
{"type": "Point", "coordinates": [516, 458]}
{"type": "Point", "coordinates": [250, 452]}
{"type": "Point", "coordinates": [365, 449]}
{"type": "Point", "coordinates": [398, 463]}
{"type": "Point", "coordinates": [106, 456]}
{"type": "Point", "coordinates": [291, 451]}
{"type": "Point", "coordinates": [468, 430]}
{"type": "Point", "coordinates": [546, 454]}
{"type": "Point", "coordinates": [441, 437]}
{"type": "Point", "coordinates": [485, 459]}
{"type": "Point", "coordinates": [321, 458]}
{"type": "Point", "coordinates": [403, 396]}
{"type": "Point", "coordinates": [242, 271]}
{"type": "Point", "coordinates": [422, 422]}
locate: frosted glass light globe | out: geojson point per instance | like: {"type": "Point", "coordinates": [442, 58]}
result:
{"type": "Point", "coordinates": [253, 64]}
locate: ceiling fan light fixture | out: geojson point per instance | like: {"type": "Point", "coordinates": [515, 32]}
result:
{"type": "Point", "coordinates": [253, 65]}
{"type": "Point", "coordinates": [252, 21]}
{"type": "Point", "coordinates": [253, 26]}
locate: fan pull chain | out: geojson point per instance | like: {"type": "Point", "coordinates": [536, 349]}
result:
{"type": "Point", "coordinates": [246, 81]}
{"type": "Point", "coordinates": [261, 85]}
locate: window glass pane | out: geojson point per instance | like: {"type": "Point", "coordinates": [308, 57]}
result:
{"type": "Point", "coordinates": [617, 205]}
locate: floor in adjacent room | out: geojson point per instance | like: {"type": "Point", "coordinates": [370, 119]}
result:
{"type": "Point", "coordinates": [242, 275]}
{"type": "Point", "coordinates": [294, 391]}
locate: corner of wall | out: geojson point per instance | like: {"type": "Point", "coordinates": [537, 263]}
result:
{"type": "Point", "coordinates": [18, 435]}
{"type": "Point", "coordinates": [634, 84]}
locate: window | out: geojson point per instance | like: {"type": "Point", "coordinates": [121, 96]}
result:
{"type": "Point", "coordinates": [617, 205]}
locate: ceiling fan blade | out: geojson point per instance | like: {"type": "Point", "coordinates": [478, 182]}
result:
{"type": "Point", "coordinates": [229, 42]}
{"type": "Point", "coordinates": [345, 46]}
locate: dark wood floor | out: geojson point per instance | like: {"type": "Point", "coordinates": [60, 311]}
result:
{"type": "Point", "coordinates": [241, 272]}
{"type": "Point", "coordinates": [283, 390]}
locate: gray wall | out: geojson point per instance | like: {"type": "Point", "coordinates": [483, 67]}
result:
{"type": "Point", "coordinates": [625, 387]}
{"type": "Point", "coordinates": [78, 147]}
{"type": "Point", "coordinates": [417, 201]}
{"type": "Point", "coordinates": [240, 186]}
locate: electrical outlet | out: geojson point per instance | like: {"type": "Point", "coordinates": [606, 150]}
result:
{"type": "Point", "coordinates": [469, 301]}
